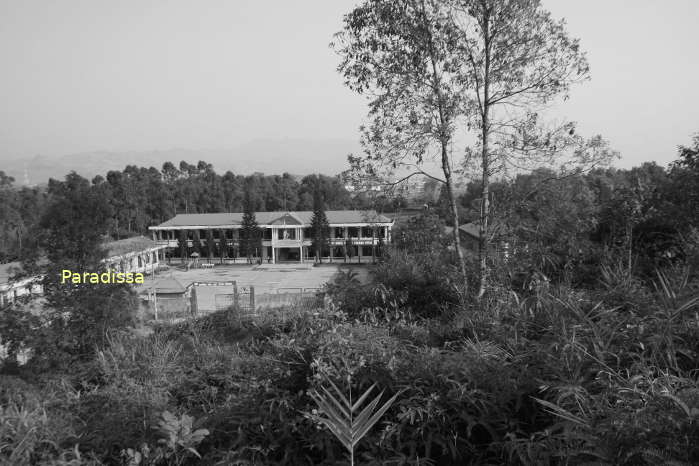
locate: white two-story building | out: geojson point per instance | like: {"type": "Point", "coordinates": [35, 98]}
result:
{"type": "Point", "coordinates": [286, 235]}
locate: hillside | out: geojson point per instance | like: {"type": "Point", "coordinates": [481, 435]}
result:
{"type": "Point", "coordinates": [326, 156]}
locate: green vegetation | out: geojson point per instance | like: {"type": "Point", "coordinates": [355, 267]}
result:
{"type": "Point", "coordinates": [564, 331]}
{"type": "Point", "coordinates": [566, 360]}
{"type": "Point", "coordinates": [320, 228]}
{"type": "Point", "coordinates": [250, 232]}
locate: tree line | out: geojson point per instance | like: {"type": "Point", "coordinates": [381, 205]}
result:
{"type": "Point", "coordinates": [563, 226]}
{"type": "Point", "coordinates": [139, 197]}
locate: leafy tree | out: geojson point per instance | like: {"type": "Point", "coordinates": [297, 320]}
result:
{"type": "Point", "coordinates": [20, 211]}
{"type": "Point", "coordinates": [196, 243]}
{"type": "Point", "coordinates": [250, 232]}
{"type": "Point", "coordinates": [548, 225]}
{"type": "Point", "coordinates": [320, 228]}
{"type": "Point", "coordinates": [683, 191]}
{"type": "Point", "coordinates": [223, 245]}
{"type": "Point", "coordinates": [421, 233]}
{"type": "Point", "coordinates": [210, 245]}
{"type": "Point", "coordinates": [183, 244]}
{"type": "Point", "coordinates": [380, 247]}
{"type": "Point", "coordinates": [401, 53]}
{"type": "Point", "coordinates": [513, 59]}
{"type": "Point", "coordinates": [75, 223]}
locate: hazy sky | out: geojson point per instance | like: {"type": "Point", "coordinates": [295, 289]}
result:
{"type": "Point", "coordinates": [132, 75]}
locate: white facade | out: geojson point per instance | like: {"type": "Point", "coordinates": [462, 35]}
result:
{"type": "Point", "coordinates": [286, 236]}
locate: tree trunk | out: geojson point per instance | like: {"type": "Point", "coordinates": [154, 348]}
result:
{"type": "Point", "coordinates": [483, 227]}
{"type": "Point", "coordinates": [485, 162]}
{"type": "Point", "coordinates": [454, 212]}
{"type": "Point", "coordinates": [446, 168]}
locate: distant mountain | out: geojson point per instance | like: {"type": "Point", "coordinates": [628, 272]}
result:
{"type": "Point", "coordinates": [269, 156]}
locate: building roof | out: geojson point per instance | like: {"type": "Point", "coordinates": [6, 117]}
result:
{"type": "Point", "coordinates": [129, 245]}
{"type": "Point", "coordinates": [274, 218]}
{"type": "Point", "coordinates": [10, 270]}
{"type": "Point", "coordinates": [7, 271]}
{"type": "Point", "coordinates": [473, 229]}
{"type": "Point", "coordinates": [168, 285]}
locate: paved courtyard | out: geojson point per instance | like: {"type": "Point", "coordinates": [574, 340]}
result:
{"type": "Point", "coordinates": [265, 278]}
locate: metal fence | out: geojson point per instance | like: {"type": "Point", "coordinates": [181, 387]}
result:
{"type": "Point", "coordinates": [202, 298]}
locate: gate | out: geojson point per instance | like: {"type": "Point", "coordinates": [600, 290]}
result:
{"type": "Point", "coordinates": [242, 298]}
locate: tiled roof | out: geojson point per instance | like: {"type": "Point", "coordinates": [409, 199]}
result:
{"type": "Point", "coordinates": [473, 229]}
{"type": "Point", "coordinates": [125, 246]}
{"type": "Point", "coordinates": [8, 270]}
{"type": "Point", "coordinates": [168, 285]}
{"type": "Point", "coordinates": [266, 218]}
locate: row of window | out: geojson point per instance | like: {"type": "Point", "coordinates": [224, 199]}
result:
{"type": "Point", "coordinates": [337, 251]}
{"type": "Point", "coordinates": [282, 233]}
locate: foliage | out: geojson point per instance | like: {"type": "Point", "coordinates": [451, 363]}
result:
{"type": "Point", "coordinates": [178, 434]}
{"type": "Point", "coordinates": [320, 228]}
{"type": "Point", "coordinates": [74, 226]}
{"type": "Point", "coordinates": [223, 245]}
{"type": "Point", "coordinates": [250, 232]}
{"type": "Point", "coordinates": [183, 244]}
{"type": "Point", "coordinates": [20, 211]}
{"type": "Point", "coordinates": [401, 55]}
{"type": "Point", "coordinates": [210, 245]}
{"type": "Point", "coordinates": [342, 415]}
{"type": "Point", "coordinates": [419, 234]}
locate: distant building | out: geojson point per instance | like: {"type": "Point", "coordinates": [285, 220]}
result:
{"type": "Point", "coordinates": [469, 234]}
{"type": "Point", "coordinates": [137, 255]}
{"type": "Point", "coordinates": [11, 289]}
{"type": "Point", "coordinates": [286, 235]}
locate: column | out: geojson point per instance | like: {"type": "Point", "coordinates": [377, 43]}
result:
{"type": "Point", "coordinates": [300, 253]}
{"type": "Point", "coordinates": [274, 255]}
{"type": "Point", "coordinates": [332, 243]}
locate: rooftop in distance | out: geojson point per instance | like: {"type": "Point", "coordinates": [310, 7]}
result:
{"type": "Point", "coordinates": [335, 217]}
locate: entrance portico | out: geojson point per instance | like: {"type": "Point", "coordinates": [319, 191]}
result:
{"type": "Point", "coordinates": [289, 254]}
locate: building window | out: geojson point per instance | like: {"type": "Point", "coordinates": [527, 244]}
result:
{"type": "Point", "coordinates": [353, 232]}
{"type": "Point", "coordinates": [339, 232]}
{"type": "Point", "coordinates": [140, 262]}
{"type": "Point", "coordinates": [267, 234]}
{"type": "Point", "coordinates": [366, 232]}
{"type": "Point", "coordinates": [287, 233]}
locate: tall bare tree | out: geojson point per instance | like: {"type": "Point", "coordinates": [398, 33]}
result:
{"type": "Point", "coordinates": [400, 54]}
{"type": "Point", "coordinates": [477, 72]}
{"type": "Point", "coordinates": [514, 59]}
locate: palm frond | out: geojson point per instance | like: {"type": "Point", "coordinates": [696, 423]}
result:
{"type": "Point", "coordinates": [345, 419]}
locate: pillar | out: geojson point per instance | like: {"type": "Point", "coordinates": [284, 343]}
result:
{"type": "Point", "coordinates": [300, 253]}
{"type": "Point", "coordinates": [274, 255]}
{"type": "Point", "coordinates": [331, 245]}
